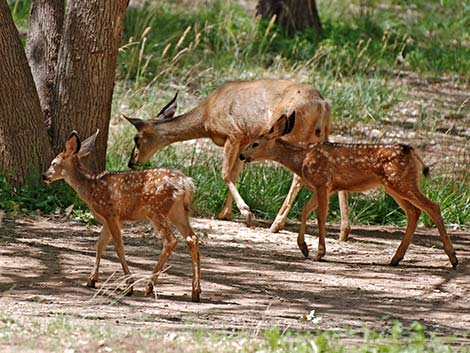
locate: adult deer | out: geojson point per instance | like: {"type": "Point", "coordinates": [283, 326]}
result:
{"type": "Point", "coordinates": [162, 196]}
{"type": "Point", "coordinates": [232, 117]}
{"type": "Point", "coordinates": [328, 167]}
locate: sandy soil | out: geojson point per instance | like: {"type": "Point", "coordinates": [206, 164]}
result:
{"type": "Point", "coordinates": [250, 278]}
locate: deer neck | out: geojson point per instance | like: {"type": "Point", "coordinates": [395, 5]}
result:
{"type": "Point", "coordinates": [289, 155]}
{"type": "Point", "coordinates": [81, 179]}
{"type": "Point", "coordinates": [183, 127]}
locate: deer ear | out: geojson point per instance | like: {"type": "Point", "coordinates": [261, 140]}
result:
{"type": "Point", "coordinates": [138, 123]}
{"type": "Point", "coordinates": [72, 144]}
{"type": "Point", "coordinates": [283, 126]}
{"type": "Point", "coordinates": [168, 112]}
{"type": "Point", "coordinates": [88, 145]}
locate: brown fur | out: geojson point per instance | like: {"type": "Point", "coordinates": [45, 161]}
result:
{"type": "Point", "coordinates": [162, 196]}
{"type": "Point", "coordinates": [330, 167]}
{"type": "Point", "coordinates": [232, 117]}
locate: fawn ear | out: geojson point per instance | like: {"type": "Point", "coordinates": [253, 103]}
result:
{"type": "Point", "coordinates": [72, 144]}
{"type": "Point", "coordinates": [283, 126]}
{"type": "Point", "coordinates": [88, 145]}
{"type": "Point", "coordinates": [168, 112]}
{"type": "Point", "coordinates": [138, 123]}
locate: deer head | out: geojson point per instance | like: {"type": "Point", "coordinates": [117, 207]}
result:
{"type": "Point", "coordinates": [148, 140]}
{"type": "Point", "coordinates": [73, 148]}
{"type": "Point", "coordinates": [261, 148]}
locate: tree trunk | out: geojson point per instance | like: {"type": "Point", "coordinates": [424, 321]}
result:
{"type": "Point", "coordinates": [24, 144]}
{"type": "Point", "coordinates": [86, 72]}
{"type": "Point", "coordinates": [45, 31]}
{"type": "Point", "coordinates": [292, 15]}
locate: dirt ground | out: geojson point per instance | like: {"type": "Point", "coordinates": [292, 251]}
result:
{"type": "Point", "coordinates": [251, 278]}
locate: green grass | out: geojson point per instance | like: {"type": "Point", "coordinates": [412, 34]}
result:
{"type": "Point", "coordinates": [167, 47]}
{"type": "Point", "coordinates": [68, 333]}
{"type": "Point", "coordinates": [427, 37]}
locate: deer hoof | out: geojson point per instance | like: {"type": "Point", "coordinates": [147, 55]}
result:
{"type": "Point", "coordinates": [225, 214]}
{"type": "Point", "coordinates": [195, 296]}
{"type": "Point", "coordinates": [395, 262]}
{"type": "Point", "coordinates": [129, 291]}
{"type": "Point", "coordinates": [149, 289]}
{"type": "Point", "coordinates": [304, 248]}
{"type": "Point", "coordinates": [344, 233]}
{"type": "Point", "coordinates": [453, 260]}
{"type": "Point", "coordinates": [319, 257]}
{"type": "Point", "coordinates": [249, 219]}
{"type": "Point", "coordinates": [276, 227]}
{"type": "Point", "coordinates": [91, 283]}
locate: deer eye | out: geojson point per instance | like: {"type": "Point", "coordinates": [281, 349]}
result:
{"type": "Point", "coordinates": [254, 145]}
{"type": "Point", "coordinates": [136, 141]}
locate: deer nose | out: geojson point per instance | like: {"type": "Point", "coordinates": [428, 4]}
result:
{"type": "Point", "coordinates": [245, 159]}
{"type": "Point", "coordinates": [131, 164]}
{"type": "Point", "coordinates": [45, 179]}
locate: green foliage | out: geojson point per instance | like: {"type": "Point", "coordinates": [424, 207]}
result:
{"type": "Point", "coordinates": [20, 12]}
{"type": "Point", "coordinates": [163, 41]}
{"type": "Point", "coordinates": [38, 197]}
{"type": "Point", "coordinates": [65, 332]}
{"type": "Point", "coordinates": [166, 45]}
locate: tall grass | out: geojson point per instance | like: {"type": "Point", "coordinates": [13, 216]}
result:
{"type": "Point", "coordinates": [167, 47]}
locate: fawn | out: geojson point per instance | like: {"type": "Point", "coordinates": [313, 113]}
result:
{"type": "Point", "coordinates": [328, 167]}
{"type": "Point", "coordinates": [162, 196]}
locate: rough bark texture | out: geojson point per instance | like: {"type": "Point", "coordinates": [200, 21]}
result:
{"type": "Point", "coordinates": [24, 145]}
{"type": "Point", "coordinates": [86, 72]}
{"type": "Point", "coordinates": [292, 15]}
{"type": "Point", "coordinates": [45, 30]}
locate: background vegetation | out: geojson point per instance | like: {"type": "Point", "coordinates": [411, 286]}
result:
{"type": "Point", "coordinates": [366, 44]}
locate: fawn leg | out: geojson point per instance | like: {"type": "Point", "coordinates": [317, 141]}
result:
{"type": "Point", "coordinates": [180, 218]}
{"type": "Point", "coordinates": [280, 220]}
{"type": "Point", "coordinates": [417, 198]}
{"type": "Point", "coordinates": [169, 244]}
{"type": "Point", "coordinates": [343, 207]}
{"type": "Point", "coordinates": [115, 230]}
{"type": "Point", "coordinates": [412, 216]}
{"type": "Point", "coordinates": [322, 211]}
{"type": "Point", "coordinates": [100, 246]}
{"type": "Point", "coordinates": [307, 209]}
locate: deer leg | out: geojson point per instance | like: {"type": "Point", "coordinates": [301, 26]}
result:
{"type": "Point", "coordinates": [322, 211]}
{"type": "Point", "coordinates": [180, 218]}
{"type": "Point", "coordinates": [343, 207]}
{"type": "Point", "coordinates": [412, 216]}
{"type": "Point", "coordinates": [417, 198]}
{"type": "Point", "coordinates": [169, 244]}
{"type": "Point", "coordinates": [115, 230]}
{"type": "Point", "coordinates": [234, 173]}
{"type": "Point", "coordinates": [281, 217]}
{"type": "Point", "coordinates": [307, 210]}
{"type": "Point", "coordinates": [100, 246]}
{"type": "Point", "coordinates": [231, 153]}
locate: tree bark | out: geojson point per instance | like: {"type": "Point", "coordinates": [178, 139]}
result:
{"type": "Point", "coordinates": [45, 31]}
{"type": "Point", "coordinates": [292, 15]}
{"type": "Point", "coordinates": [86, 73]}
{"type": "Point", "coordinates": [24, 144]}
